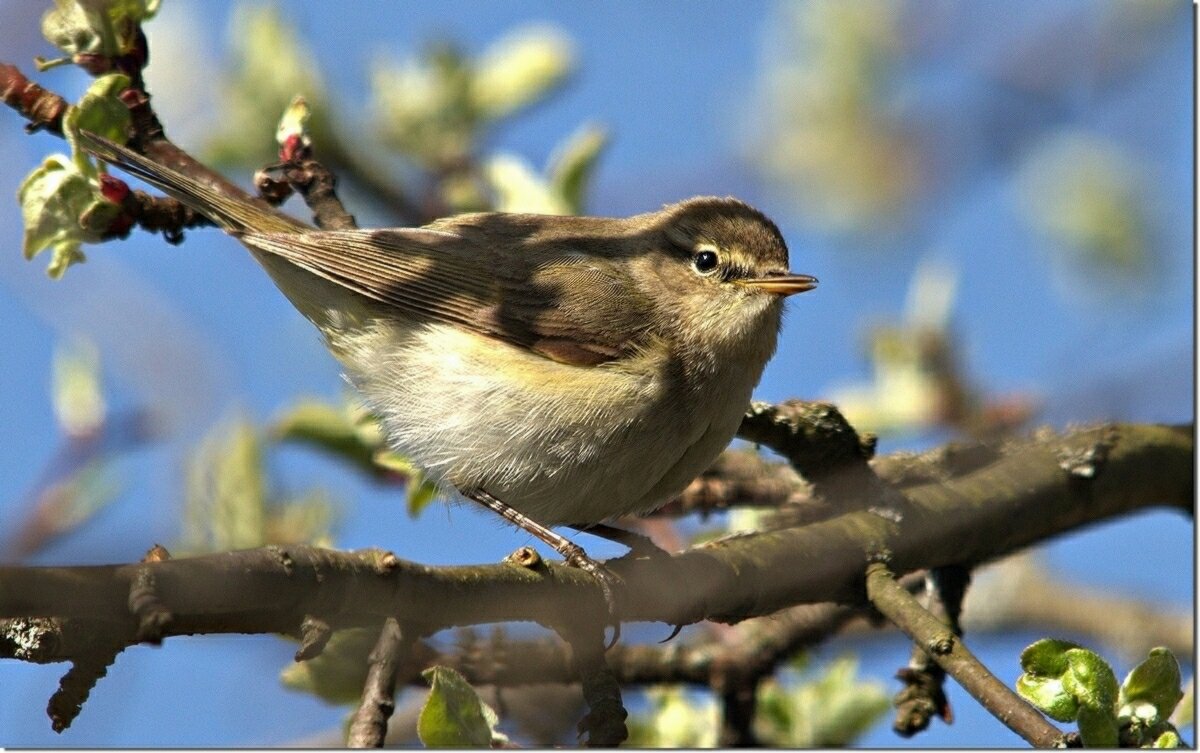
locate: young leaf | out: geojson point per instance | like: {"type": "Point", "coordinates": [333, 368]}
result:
{"type": "Point", "coordinates": [1047, 657]}
{"type": "Point", "coordinates": [53, 198]}
{"type": "Point", "coordinates": [1097, 727]}
{"type": "Point", "coordinates": [1091, 681]}
{"type": "Point", "coordinates": [101, 112]}
{"type": "Point", "coordinates": [1156, 681]}
{"type": "Point", "coordinates": [453, 715]}
{"type": "Point", "coordinates": [328, 428]}
{"type": "Point", "coordinates": [1045, 662]}
{"type": "Point", "coordinates": [1047, 694]}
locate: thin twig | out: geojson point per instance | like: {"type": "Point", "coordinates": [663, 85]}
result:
{"type": "Point", "coordinates": [899, 606]}
{"type": "Point", "coordinates": [924, 694]}
{"type": "Point", "coordinates": [368, 726]}
{"type": "Point", "coordinates": [42, 108]}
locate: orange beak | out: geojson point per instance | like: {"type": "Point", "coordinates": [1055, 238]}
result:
{"type": "Point", "coordinates": [783, 283]}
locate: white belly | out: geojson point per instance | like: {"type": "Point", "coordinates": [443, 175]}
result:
{"type": "Point", "coordinates": [560, 443]}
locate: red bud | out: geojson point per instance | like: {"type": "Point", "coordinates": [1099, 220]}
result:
{"type": "Point", "coordinates": [113, 189]}
{"type": "Point", "coordinates": [291, 148]}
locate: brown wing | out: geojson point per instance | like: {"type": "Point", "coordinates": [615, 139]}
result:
{"type": "Point", "coordinates": [575, 308]}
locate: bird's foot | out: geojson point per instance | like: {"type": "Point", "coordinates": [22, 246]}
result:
{"type": "Point", "coordinates": [605, 578]}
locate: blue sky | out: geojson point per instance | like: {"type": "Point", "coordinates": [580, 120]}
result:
{"type": "Point", "coordinates": [200, 328]}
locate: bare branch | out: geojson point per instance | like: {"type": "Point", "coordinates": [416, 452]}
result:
{"type": "Point", "coordinates": [899, 606]}
{"type": "Point", "coordinates": [979, 517]}
{"type": "Point", "coordinates": [368, 726]}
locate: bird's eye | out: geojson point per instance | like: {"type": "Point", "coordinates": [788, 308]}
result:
{"type": "Point", "coordinates": [705, 261]}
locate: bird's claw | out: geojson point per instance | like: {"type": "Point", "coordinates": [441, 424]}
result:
{"type": "Point", "coordinates": [607, 580]}
{"type": "Point", "coordinates": [676, 630]}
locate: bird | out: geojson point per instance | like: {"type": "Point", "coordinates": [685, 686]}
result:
{"type": "Point", "coordinates": [559, 370]}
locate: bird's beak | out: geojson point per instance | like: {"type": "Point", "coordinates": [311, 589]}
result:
{"type": "Point", "coordinates": [782, 284]}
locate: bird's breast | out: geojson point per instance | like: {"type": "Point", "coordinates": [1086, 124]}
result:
{"type": "Point", "coordinates": [560, 443]}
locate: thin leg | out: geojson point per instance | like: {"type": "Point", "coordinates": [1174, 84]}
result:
{"type": "Point", "coordinates": [571, 552]}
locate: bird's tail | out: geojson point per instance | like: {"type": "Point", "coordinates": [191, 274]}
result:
{"type": "Point", "coordinates": [232, 214]}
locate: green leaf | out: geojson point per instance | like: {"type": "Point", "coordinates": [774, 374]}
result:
{"type": "Point", "coordinates": [331, 429]}
{"type": "Point", "coordinates": [454, 716]}
{"type": "Point", "coordinates": [336, 674]}
{"type": "Point", "coordinates": [1047, 694]}
{"type": "Point", "coordinates": [1091, 681]}
{"type": "Point", "coordinates": [519, 69]}
{"type": "Point", "coordinates": [573, 162]}
{"type": "Point", "coordinates": [1045, 663]}
{"type": "Point", "coordinates": [101, 112]}
{"type": "Point", "coordinates": [1156, 681]}
{"type": "Point", "coordinates": [53, 199]}
{"type": "Point", "coordinates": [1047, 657]}
{"type": "Point", "coordinates": [1168, 739]}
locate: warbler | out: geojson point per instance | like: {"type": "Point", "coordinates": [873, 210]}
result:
{"type": "Point", "coordinates": [558, 370]}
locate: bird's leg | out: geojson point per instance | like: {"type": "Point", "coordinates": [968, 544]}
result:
{"type": "Point", "coordinates": [639, 544]}
{"type": "Point", "coordinates": [571, 552]}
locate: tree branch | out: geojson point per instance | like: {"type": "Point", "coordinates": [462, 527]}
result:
{"type": "Point", "coordinates": [899, 606]}
{"type": "Point", "coordinates": [369, 724]}
{"type": "Point", "coordinates": [1027, 496]}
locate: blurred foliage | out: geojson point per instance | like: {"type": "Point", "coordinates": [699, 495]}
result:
{"type": "Point", "coordinates": [1085, 195]}
{"type": "Point", "coordinates": [1070, 683]}
{"type": "Point", "coordinates": [831, 708]}
{"type": "Point", "coordinates": [352, 434]}
{"type": "Point", "coordinates": [270, 65]}
{"type": "Point", "coordinates": [434, 107]}
{"type": "Point", "coordinates": [918, 383]}
{"type": "Point", "coordinates": [338, 673]}
{"type": "Point", "coordinates": [75, 389]}
{"type": "Point", "coordinates": [677, 718]}
{"type": "Point", "coordinates": [87, 27]}
{"type": "Point", "coordinates": [228, 504]}
{"type": "Point", "coordinates": [827, 137]}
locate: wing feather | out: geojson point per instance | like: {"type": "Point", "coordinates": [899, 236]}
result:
{"type": "Point", "coordinates": [570, 307]}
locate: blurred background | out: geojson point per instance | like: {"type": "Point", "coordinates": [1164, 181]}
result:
{"type": "Point", "coordinates": [997, 199]}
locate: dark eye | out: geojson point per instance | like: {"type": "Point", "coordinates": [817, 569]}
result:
{"type": "Point", "coordinates": [705, 261]}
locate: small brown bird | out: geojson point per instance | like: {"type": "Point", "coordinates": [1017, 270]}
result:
{"type": "Point", "coordinates": [558, 370]}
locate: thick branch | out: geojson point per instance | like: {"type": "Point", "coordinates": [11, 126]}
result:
{"type": "Point", "coordinates": [1027, 496]}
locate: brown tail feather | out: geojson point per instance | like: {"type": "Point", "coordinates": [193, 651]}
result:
{"type": "Point", "coordinates": [230, 214]}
